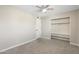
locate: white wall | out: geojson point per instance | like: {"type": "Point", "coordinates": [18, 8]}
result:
{"type": "Point", "coordinates": [16, 27]}
{"type": "Point", "coordinates": [77, 30]}
{"type": "Point", "coordinates": [46, 27]}
{"type": "Point", "coordinates": [74, 22]}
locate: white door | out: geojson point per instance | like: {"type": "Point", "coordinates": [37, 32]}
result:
{"type": "Point", "coordinates": [38, 28]}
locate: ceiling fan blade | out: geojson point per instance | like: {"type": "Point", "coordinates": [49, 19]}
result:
{"type": "Point", "coordinates": [49, 8]}
{"type": "Point", "coordinates": [46, 6]}
{"type": "Point", "coordinates": [38, 6]}
{"type": "Point", "coordinates": [42, 6]}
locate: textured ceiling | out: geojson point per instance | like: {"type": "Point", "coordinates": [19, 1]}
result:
{"type": "Point", "coordinates": [56, 9]}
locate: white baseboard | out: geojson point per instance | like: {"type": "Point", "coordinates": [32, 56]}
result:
{"type": "Point", "coordinates": [3, 50]}
{"type": "Point", "coordinates": [74, 44]}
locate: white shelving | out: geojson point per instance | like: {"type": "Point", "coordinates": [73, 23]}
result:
{"type": "Point", "coordinates": [61, 21]}
{"type": "Point", "coordinates": [60, 28]}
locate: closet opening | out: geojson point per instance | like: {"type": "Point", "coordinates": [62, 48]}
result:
{"type": "Point", "coordinates": [60, 28]}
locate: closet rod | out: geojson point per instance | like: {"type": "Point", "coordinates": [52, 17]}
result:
{"type": "Point", "coordinates": [60, 18]}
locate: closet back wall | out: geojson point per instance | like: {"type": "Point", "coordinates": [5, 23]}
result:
{"type": "Point", "coordinates": [61, 26]}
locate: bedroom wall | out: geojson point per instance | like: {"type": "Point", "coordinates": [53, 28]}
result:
{"type": "Point", "coordinates": [16, 27]}
{"type": "Point", "coordinates": [77, 28]}
{"type": "Point", "coordinates": [74, 22]}
{"type": "Point", "coordinates": [46, 27]}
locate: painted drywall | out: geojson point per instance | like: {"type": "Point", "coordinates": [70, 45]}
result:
{"type": "Point", "coordinates": [46, 27]}
{"type": "Point", "coordinates": [77, 42]}
{"type": "Point", "coordinates": [74, 22]}
{"type": "Point", "coordinates": [16, 27]}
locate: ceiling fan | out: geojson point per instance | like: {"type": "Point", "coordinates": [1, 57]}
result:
{"type": "Point", "coordinates": [44, 8]}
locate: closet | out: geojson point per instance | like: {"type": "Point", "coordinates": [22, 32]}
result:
{"type": "Point", "coordinates": [60, 28]}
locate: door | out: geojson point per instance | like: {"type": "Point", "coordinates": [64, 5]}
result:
{"type": "Point", "coordinates": [38, 28]}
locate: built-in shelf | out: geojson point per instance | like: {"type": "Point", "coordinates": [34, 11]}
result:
{"type": "Point", "coordinates": [60, 18]}
{"type": "Point", "coordinates": [60, 35]}
{"type": "Point", "coordinates": [60, 23]}
{"type": "Point", "coordinates": [57, 26]}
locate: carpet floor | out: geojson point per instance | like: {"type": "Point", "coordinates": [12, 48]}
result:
{"type": "Point", "coordinates": [44, 46]}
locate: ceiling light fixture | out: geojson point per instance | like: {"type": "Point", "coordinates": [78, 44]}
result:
{"type": "Point", "coordinates": [44, 10]}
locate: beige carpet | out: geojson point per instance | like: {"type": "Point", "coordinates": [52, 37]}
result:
{"type": "Point", "coordinates": [44, 46]}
